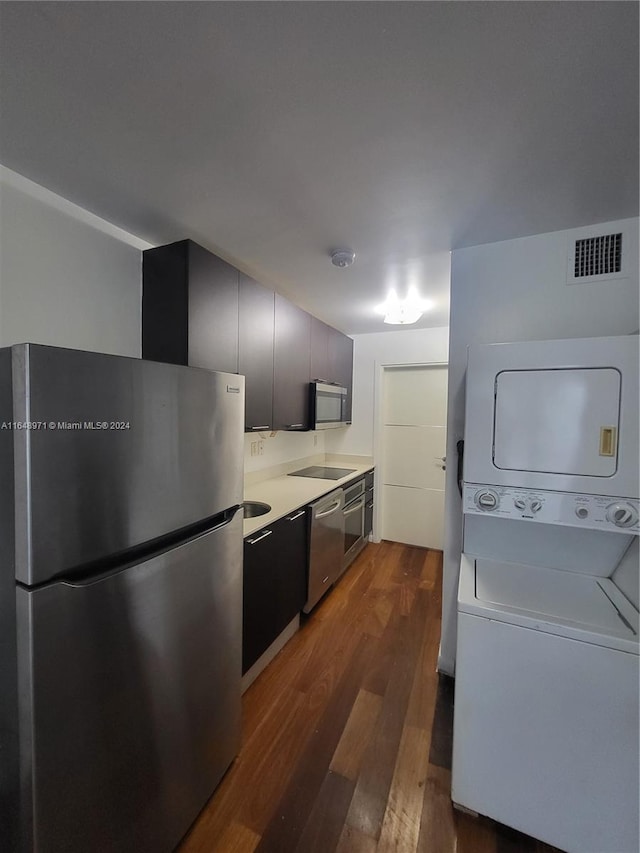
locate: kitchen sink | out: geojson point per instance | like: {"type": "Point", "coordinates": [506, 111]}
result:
{"type": "Point", "coordinates": [251, 509]}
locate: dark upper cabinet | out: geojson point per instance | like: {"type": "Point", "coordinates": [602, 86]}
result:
{"type": "Point", "coordinates": [274, 583]}
{"type": "Point", "coordinates": [189, 307]}
{"type": "Point", "coordinates": [331, 357]}
{"type": "Point", "coordinates": [320, 335]}
{"type": "Point", "coordinates": [199, 310]}
{"type": "Point", "coordinates": [292, 350]}
{"type": "Point", "coordinates": [165, 304]}
{"type": "Point", "coordinates": [341, 363]}
{"type": "Point", "coordinates": [255, 351]}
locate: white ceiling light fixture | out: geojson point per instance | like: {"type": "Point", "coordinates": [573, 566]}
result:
{"type": "Point", "coordinates": [343, 258]}
{"type": "Point", "coordinates": [404, 312]}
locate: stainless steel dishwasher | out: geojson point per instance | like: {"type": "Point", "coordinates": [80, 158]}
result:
{"type": "Point", "coordinates": [326, 545]}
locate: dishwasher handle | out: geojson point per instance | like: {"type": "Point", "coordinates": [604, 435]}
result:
{"type": "Point", "coordinates": [332, 508]}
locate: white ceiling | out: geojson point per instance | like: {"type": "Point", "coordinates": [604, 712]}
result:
{"type": "Point", "coordinates": [273, 133]}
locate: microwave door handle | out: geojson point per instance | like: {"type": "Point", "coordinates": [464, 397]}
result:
{"type": "Point", "coordinates": [334, 506]}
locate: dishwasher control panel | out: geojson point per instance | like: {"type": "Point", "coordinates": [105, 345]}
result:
{"type": "Point", "coordinates": [595, 512]}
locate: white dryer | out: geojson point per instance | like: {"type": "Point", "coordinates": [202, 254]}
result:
{"type": "Point", "coordinates": [547, 674]}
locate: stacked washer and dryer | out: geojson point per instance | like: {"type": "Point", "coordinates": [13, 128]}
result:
{"type": "Point", "coordinates": [547, 671]}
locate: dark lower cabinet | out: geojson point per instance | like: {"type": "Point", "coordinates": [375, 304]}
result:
{"type": "Point", "coordinates": [275, 583]}
{"type": "Point", "coordinates": [291, 359]}
{"type": "Point", "coordinates": [368, 503]}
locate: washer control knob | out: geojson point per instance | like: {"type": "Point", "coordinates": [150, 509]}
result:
{"type": "Point", "coordinates": [535, 505]}
{"type": "Point", "coordinates": [519, 504]}
{"type": "Point", "coordinates": [487, 500]}
{"type": "Point", "coordinates": [622, 514]}
{"type": "Point", "coordinates": [582, 512]}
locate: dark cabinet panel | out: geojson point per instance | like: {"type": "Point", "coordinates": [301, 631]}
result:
{"type": "Point", "coordinates": [165, 304]}
{"type": "Point", "coordinates": [343, 364]}
{"type": "Point", "coordinates": [320, 336]}
{"type": "Point", "coordinates": [255, 351]}
{"type": "Point", "coordinates": [199, 310]}
{"type": "Point", "coordinates": [189, 307]}
{"type": "Point", "coordinates": [369, 503]}
{"type": "Point", "coordinates": [292, 348]}
{"type": "Point", "coordinates": [213, 311]}
{"type": "Point", "coordinates": [275, 583]}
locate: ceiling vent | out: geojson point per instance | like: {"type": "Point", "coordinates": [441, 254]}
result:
{"type": "Point", "coordinates": [595, 258]}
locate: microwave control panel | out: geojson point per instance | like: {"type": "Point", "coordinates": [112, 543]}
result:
{"type": "Point", "coordinates": [595, 512]}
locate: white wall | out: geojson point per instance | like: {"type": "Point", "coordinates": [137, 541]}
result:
{"type": "Point", "coordinates": [370, 352]}
{"type": "Point", "coordinates": [67, 278]}
{"type": "Point", "coordinates": [517, 291]}
{"type": "Point", "coordinates": [281, 447]}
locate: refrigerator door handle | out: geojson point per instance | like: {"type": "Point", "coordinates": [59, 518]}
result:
{"type": "Point", "coordinates": [97, 572]}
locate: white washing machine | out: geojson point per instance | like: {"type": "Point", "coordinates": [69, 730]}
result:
{"type": "Point", "coordinates": [546, 713]}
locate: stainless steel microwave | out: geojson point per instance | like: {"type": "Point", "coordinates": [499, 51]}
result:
{"type": "Point", "coordinates": [328, 405]}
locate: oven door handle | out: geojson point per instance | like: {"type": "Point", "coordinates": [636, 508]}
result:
{"type": "Point", "coordinates": [355, 506]}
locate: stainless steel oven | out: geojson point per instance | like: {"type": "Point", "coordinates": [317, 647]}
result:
{"type": "Point", "coordinates": [353, 512]}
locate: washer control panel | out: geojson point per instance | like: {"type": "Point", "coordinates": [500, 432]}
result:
{"type": "Point", "coordinates": [596, 512]}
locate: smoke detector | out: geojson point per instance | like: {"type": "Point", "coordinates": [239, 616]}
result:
{"type": "Point", "coordinates": [343, 258]}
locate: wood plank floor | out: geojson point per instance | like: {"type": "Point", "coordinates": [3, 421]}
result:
{"type": "Point", "coordinates": [347, 734]}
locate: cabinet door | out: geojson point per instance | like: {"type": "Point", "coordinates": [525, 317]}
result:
{"type": "Point", "coordinates": [291, 578]}
{"type": "Point", "coordinates": [368, 513]}
{"type": "Point", "coordinates": [274, 587]}
{"type": "Point", "coordinates": [255, 352]}
{"type": "Point", "coordinates": [292, 349]}
{"type": "Point", "coordinates": [165, 304]}
{"type": "Point", "coordinates": [369, 503]}
{"type": "Point", "coordinates": [320, 336]}
{"type": "Point", "coordinates": [213, 311]}
{"type": "Point", "coordinates": [189, 307]}
{"type": "Point", "coordinates": [343, 364]}
{"type": "Point", "coordinates": [258, 595]}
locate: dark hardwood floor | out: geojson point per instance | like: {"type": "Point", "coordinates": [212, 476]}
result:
{"type": "Point", "coordinates": [347, 734]}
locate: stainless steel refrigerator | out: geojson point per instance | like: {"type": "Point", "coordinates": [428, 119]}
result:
{"type": "Point", "coordinates": [120, 597]}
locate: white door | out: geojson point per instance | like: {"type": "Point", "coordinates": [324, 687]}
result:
{"type": "Point", "coordinates": [414, 416]}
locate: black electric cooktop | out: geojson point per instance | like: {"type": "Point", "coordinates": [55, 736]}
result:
{"type": "Point", "coordinates": [323, 473]}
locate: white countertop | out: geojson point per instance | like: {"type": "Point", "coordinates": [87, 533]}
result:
{"type": "Point", "coordinates": [285, 493]}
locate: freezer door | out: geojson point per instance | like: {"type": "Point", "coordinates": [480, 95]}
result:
{"type": "Point", "coordinates": [130, 698]}
{"type": "Point", "coordinates": [121, 451]}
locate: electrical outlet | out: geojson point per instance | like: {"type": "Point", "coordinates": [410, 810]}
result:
{"type": "Point", "coordinates": [254, 448]}
{"type": "Point", "coordinates": [260, 448]}
{"type": "Point", "coordinates": [315, 440]}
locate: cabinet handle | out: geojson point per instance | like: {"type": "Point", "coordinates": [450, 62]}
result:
{"type": "Point", "coordinates": [325, 579]}
{"type": "Point", "coordinates": [294, 426]}
{"type": "Point", "coordinates": [259, 538]}
{"type": "Point", "coordinates": [370, 506]}
{"type": "Point", "coordinates": [260, 428]}
{"type": "Point", "coordinates": [297, 515]}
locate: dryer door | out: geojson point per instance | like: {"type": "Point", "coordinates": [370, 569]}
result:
{"type": "Point", "coordinates": [562, 421]}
